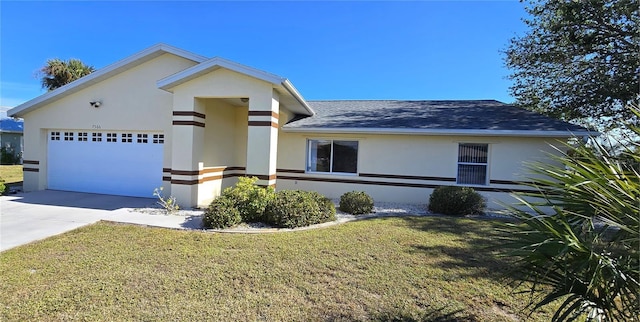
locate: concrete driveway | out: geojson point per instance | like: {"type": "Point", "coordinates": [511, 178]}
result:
{"type": "Point", "coordinates": [32, 216]}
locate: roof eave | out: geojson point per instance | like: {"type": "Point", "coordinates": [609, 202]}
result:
{"type": "Point", "coordinates": [138, 58]}
{"type": "Point", "coordinates": [294, 92]}
{"type": "Point", "coordinates": [444, 132]}
{"type": "Point", "coordinates": [212, 64]}
{"type": "Point", "coordinates": [217, 62]}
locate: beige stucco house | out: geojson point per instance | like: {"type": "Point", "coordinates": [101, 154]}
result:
{"type": "Point", "coordinates": [167, 117]}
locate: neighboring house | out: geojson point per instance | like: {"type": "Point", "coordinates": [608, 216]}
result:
{"type": "Point", "coordinates": [167, 117]}
{"type": "Point", "coordinates": [11, 138]}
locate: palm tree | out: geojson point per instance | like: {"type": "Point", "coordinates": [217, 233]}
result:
{"type": "Point", "coordinates": [57, 73]}
{"type": "Point", "coordinates": [585, 254]}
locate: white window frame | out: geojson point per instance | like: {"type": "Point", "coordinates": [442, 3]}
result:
{"type": "Point", "coordinates": [158, 138]}
{"type": "Point", "coordinates": [55, 136]}
{"type": "Point", "coordinates": [308, 161]}
{"type": "Point", "coordinates": [112, 137]}
{"type": "Point", "coordinates": [96, 137]}
{"type": "Point", "coordinates": [486, 165]}
{"type": "Point", "coordinates": [142, 138]}
{"type": "Point", "coordinates": [126, 137]}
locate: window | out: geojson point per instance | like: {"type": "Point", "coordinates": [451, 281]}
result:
{"type": "Point", "coordinates": [82, 136]}
{"type": "Point", "coordinates": [96, 137]}
{"type": "Point", "coordinates": [142, 138]}
{"type": "Point", "coordinates": [127, 137]}
{"type": "Point", "coordinates": [472, 163]}
{"type": "Point", "coordinates": [55, 136]}
{"type": "Point", "coordinates": [68, 136]}
{"type": "Point", "coordinates": [112, 137]}
{"type": "Point", "coordinates": [333, 156]}
{"type": "Point", "coordinates": [158, 138]}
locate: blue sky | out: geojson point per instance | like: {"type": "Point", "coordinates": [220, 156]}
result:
{"type": "Point", "coordinates": [328, 50]}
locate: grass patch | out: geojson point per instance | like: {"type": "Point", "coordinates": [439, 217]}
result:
{"type": "Point", "coordinates": [11, 173]}
{"type": "Point", "coordinates": [411, 269]}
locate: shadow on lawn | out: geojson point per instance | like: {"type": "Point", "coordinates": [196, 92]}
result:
{"type": "Point", "coordinates": [433, 315]}
{"type": "Point", "coordinates": [399, 315]}
{"type": "Point", "coordinates": [480, 247]}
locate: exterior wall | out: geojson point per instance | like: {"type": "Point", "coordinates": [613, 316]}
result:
{"type": "Point", "coordinates": [130, 101]}
{"type": "Point", "coordinates": [225, 142]}
{"type": "Point", "coordinates": [224, 151]}
{"type": "Point", "coordinates": [196, 178]}
{"type": "Point", "coordinates": [406, 168]}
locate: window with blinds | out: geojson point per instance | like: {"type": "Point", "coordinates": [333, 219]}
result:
{"type": "Point", "coordinates": [472, 163]}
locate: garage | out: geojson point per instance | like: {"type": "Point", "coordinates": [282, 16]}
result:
{"type": "Point", "coordinates": [107, 162]}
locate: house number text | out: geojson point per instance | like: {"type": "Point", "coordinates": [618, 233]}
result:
{"type": "Point", "coordinates": [96, 126]}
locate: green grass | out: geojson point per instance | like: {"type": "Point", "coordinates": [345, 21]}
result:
{"type": "Point", "coordinates": [413, 268]}
{"type": "Point", "coordinates": [10, 173]}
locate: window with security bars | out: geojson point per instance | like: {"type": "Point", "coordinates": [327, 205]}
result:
{"type": "Point", "coordinates": [68, 136]}
{"type": "Point", "coordinates": [158, 138]}
{"type": "Point", "coordinates": [142, 138]}
{"type": "Point", "coordinates": [472, 163]}
{"type": "Point", "coordinates": [82, 136]}
{"type": "Point", "coordinates": [112, 137]}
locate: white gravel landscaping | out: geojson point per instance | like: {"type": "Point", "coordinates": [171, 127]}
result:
{"type": "Point", "coordinates": [381, 209]}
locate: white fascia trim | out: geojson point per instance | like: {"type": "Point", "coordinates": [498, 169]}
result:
{"type": "Point", "coordinates": [212, 64]}
{"type": "Point", "coordinates": [137, 58]}
{"type": "Point", "coordinates": [294, 92]}
{"type": "Point", "coordinates": [443, 132]}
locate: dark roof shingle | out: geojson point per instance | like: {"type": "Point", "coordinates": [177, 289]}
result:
{"type": "Point", "coordinates": [427, 115]}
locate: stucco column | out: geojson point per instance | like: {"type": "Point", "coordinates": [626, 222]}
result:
{"type": "Point", "coordinates": [186, 149]}
{"type": "Point", "coordinates": [34, 159]}
{"type": "Point", "coordinates": [262, 139]}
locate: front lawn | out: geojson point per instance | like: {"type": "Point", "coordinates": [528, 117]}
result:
{"type": "Point", "coordinates": [414, 268]}
{"type": "Point", "coordinates": [10, 173]}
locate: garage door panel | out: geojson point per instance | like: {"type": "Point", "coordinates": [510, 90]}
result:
{"type": "Point", "coordinates": [119, 168]}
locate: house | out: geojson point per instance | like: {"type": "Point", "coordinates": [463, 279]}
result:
{"type": "Point", "coordinates": [11, 141]}
{"type": "Point", "coordinates": [167, 117]}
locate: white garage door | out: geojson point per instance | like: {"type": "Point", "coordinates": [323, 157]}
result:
{"type": "Point", "coordinates": [107, 162]}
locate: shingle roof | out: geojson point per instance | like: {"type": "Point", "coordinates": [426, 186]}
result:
{"type": "Point", "coordinates": [485, 115]}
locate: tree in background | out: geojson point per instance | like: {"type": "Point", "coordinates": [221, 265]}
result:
{"type": "Point", "coordinates": [57, 73]}
{"type": "Point", "coordinates": [579, 61]}
{"type": "Point", "coordinates": [580, 244]}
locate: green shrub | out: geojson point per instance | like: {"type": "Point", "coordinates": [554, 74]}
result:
{"type": "Point", "coordinates": [296, 208]}
{"type": "Point", "coordinates": [8, 156]}
{"type": "Point", "coordinates": [356, 203]}
{"type": "Point", "coordinates": [456, 201]}
{"type": "Point", "coordinates": [327, 208]}
{"type": "Point", "coordinates": [2, 188]}
{"type": "Point", "coordinates": [221, 213]}
{"type": "Point", "coordinates": [249, 198]}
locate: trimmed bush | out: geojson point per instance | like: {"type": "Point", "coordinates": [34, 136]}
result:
{"type": "Point", "coordinates": [2, 188]}
{"type": "Point", "coordinates": [296, 208]}
{"type": "Point", "coordinates": [356, 203]}
{"type": "Point", "coordinates": [221, 213]}
{"type": "Point", "coordinates": [456, 201]}
{"type": "Point", "coordinates": [249, 198]}
{"type": "Point", "coordinates": [327, 208]}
